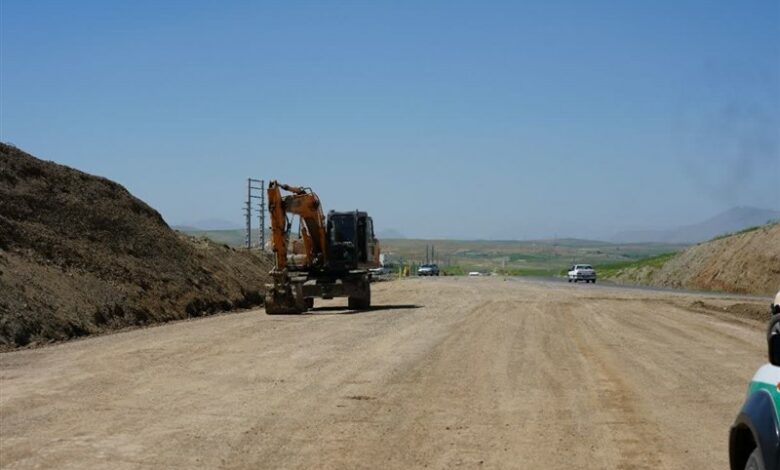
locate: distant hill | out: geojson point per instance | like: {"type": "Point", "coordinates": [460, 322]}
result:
{"type": "Point", "coordinates": [390, 234]}
{"type": "Point", "coordinates": [185, 228]}
{"type": "Point", "coordinates": [747, 262]}
{"type": "Point", "coordinates": [730, 221]}
{"type": "Point", "coordinates": [237, 237]}
{"type": "Point", "coordinates": [207, 224]}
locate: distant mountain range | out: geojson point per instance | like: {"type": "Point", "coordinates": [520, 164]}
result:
{"type": "Point", "coordinates": [732, 220]}
{"type": "Point", "coordinates": [390, 234]}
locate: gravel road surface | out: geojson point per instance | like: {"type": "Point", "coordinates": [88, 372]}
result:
{"type": "Point", "coordinates": [444, 372]}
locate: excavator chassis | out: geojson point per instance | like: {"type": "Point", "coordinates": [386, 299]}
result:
{"type": "Point", "coordinates": [294, 292]}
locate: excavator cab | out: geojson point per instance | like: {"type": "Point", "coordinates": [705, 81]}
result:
{"type": "Point", "coordinates": [351, 241]}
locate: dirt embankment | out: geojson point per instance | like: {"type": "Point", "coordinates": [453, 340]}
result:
{"type": "Point", "coordinates": [80, 255]}
{"type": "Point", "coordinates": [747, 263]}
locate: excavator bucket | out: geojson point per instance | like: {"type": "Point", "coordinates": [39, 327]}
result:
{"type": "Point", "coordinates": [283, 297]}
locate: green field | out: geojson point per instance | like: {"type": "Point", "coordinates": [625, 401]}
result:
{"type": "Point", "coordinates": [526, 258]}
{"type": "Point", "coordinates": [514, 258]}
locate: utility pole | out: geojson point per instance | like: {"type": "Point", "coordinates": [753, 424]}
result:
{"type": "Point", "coordinates": [261, 215]}
{"type": "Point", "coordinates": [250, 195]}
{"type": "Point", "coordinates": [248, 214]}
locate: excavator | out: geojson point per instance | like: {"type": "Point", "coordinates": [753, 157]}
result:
{"type": "Point", "coordinates": [327, 258]}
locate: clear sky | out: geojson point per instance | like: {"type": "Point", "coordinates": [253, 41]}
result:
{"type": "Point", "coordinates": [442, 119]}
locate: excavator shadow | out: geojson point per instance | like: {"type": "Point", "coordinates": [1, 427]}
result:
{"type": "Point", "coordinates": [337, 310]}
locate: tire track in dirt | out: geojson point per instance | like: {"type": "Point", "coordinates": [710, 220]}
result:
{"type": "Point", "coordinates": [634, 435]}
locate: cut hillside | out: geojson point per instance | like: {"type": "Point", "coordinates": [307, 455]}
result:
{"type": "Point", "coordinates": [747, 262]}
{"type": "Point", "coordinates": [80, 255]}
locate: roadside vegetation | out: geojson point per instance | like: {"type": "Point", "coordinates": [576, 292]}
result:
{"type": "Point", "coordinates": [537, 258]}
{"type": "Point", "coordinates": [654, 262]}
{"type": "Point", "coordinates": [747, 230]}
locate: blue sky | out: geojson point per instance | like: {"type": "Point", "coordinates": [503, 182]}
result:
{"type": "Point", "coordinates": [442, 119]}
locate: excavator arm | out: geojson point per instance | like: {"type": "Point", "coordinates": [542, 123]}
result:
{"type": "Point", "coordinates": [304, 203]}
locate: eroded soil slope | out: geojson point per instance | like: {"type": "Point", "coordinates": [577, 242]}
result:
{"type": "Point", "coordinates": [79, 254]}
{"type": "Point", "coordinates": [747, 263]}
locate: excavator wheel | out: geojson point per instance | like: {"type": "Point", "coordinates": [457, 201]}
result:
{"type": "Point", "coordinates": [362, 301]}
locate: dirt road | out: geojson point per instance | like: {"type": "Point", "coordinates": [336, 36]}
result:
{"type": "Point", "coordinates": [471, 372]}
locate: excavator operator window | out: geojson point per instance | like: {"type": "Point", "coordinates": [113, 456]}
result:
{"type": "Point", "coordinates": [342, 229]}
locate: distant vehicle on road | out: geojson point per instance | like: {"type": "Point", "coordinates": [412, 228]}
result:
{"type": "Point", "coordinates": [582, 272]}
{"type": "Point", "coordinates": [753, 441]}
{"type": "Point", "coordinates": [428, 270]}
{"type": "Point", "coordinates": [474, 274]}
{"type": "Point", "coordinates": [776, 304]}
{"type": "Point", "coordinates": [380, 271]}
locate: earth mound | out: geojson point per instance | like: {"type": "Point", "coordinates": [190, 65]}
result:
{"type": "Point", "coordinates": [80, 255]}
{"type": "Point", "coordinates": [747, 262]}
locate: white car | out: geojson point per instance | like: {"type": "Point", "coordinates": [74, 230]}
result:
{"type": "Point", "coordinates": [582, 272]}
{"type": "Point", "coordinates": [776, 304]}
{"type": "Point", "coordinates": [475, 274]}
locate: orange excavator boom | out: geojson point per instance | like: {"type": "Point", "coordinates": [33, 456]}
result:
{"type": "Point", "coordinates": [304, 203]}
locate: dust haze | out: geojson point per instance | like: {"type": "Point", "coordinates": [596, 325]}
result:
{"type": "Point", "coordinates": [726, 132]}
